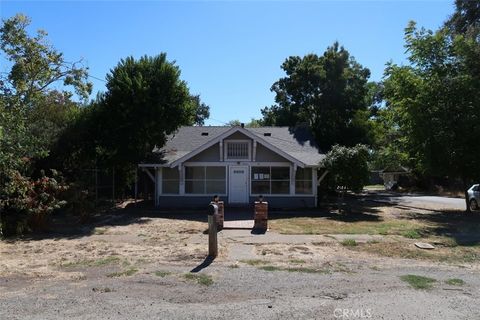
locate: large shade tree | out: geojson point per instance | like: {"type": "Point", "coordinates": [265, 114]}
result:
{"type": "Point", "coordinates": [435, 102]}
{"type": "Point", "coordinates": [145, 101]}
{"type": "Point", "coordinates": [329, 93]}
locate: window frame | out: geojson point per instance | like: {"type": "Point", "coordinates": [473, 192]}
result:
{"type": "Point", "coordinates": [163, 193]}
{"type": "Point", "coordinates": [304, 180]}
{"type": "Point", "coordinates": [225, 180]}
{"type": "Point", "coordinates": [270, 180]}
{"type": "Point", "coordinates": [249, 149]}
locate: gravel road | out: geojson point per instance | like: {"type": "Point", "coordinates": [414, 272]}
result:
{"type": "Point", "coordinates": [247, 293]}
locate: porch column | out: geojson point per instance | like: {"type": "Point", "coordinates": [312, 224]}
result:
{"type": "Point", "coordinates": [160, 182]}
{"type": "Point", "coordinates": [155, 172]}
{"type": "Point", "coordinates": [181, 178]}
{"type": "Point", "coordinates": [293, 172]}
{"type": "Point", "coordinates": [221, 149]}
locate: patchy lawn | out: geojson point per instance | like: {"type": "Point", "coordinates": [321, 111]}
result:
{"type": "Point", "coordinates": [418, 282]}
{"type": "Point", "coordinates": [320, 225]}
{"type": "Point", "coordinates": [455, 235]}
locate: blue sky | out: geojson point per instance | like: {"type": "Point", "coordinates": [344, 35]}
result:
{"type": "Point", "coordinates": [229, 52]}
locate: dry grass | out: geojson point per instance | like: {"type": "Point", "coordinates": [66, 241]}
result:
{"type": "Point", "coordinates": [455, 282]}
{"type": "Point", "coordinates": [307, 225]}
{"type": "Point", "coordinates": [92, 263]}
{"type": "Point", "coordinates": [407, 250]}
{"type": "Point", "coordinates": [125, 273]}
{"type": "Point", "coordinates": [202, 279]}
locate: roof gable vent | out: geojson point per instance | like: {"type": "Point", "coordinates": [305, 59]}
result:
{"type": "Point", "coordinates": [204, 133]}
{"type": "Point", "coordinates": [267, 134]}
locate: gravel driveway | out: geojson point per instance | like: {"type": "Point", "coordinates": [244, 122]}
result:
{"type": "Point", "coordinates": [247, 293]}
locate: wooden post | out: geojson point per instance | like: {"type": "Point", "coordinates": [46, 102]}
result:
{"type": "Point", "coordinates": [220, 216]}
{"type": "Point", "coordinates": [212, 230]}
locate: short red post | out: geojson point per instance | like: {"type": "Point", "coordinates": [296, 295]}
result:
{"type": "Point", "coordinates": [261, 215]}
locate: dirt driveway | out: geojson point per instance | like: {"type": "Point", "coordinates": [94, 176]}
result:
{"type": "Point", "coordinates": [137, 264]}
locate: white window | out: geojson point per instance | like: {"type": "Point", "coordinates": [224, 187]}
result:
{"type": "Point", "coordinates": [270, 180]}
{"type": "Point", "coordinates": [237, 150]}
{"type": "Point", "coordinates": [170, 180]}
{"type": "Point", "coordinates": [303, 181]}
{"type": "Point", "coordinates": [205, 180]}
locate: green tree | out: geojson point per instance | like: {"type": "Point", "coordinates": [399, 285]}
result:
{"type": "Point", "coordinates": [328, 92]}
{"type": "Point", "coordinates": [348, 166]}
{"type": "Point", "coordinates": [466, 18]}
{"type": "Point", "coordinates": [254, 123]}
{"type": "Point", "coordinates": [26, 90]}
{"type": "Point", "coordinates": [145, 101]}
{"type": "Point", "coordinates": [436, 104]}
{"type": "Point", "coordinates": [202, 110]}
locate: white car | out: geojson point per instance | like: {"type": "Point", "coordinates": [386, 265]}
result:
{"type": "Point", "coordinates": [474, 196]}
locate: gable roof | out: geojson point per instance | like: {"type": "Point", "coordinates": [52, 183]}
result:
{"type": "Point", "coordinates": [295, 144]}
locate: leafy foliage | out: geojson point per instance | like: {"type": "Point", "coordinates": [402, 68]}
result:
{"type": "Point", "coordinates": [145, 101]}
{"type": "Point", "coordinates": [36, 65]}
{"type": "Point", "coordinates": [31, 116]}
{"type": "Point", "coordinates": [328, 92]}
{"type": "Point", "coordinates": [348, 166]}
{"type": "Point", "coordinates": [27, 203]}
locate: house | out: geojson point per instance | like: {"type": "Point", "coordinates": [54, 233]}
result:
{"type": "Point", "coordinates": [393, 176]}
{"type": "Point", "coordinates": [238, 164]}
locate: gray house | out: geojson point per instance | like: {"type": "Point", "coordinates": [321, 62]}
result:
{"type": "Point", "coordinates": [238, 164]}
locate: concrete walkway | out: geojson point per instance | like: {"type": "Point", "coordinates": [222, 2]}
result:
{"type": "Point", "coordinates": [238, 224]}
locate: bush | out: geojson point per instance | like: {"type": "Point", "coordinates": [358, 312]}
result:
{"type": "Point", "coordinates": [25, 203]}
{"type": "Point", "coordinates": [348, 167]}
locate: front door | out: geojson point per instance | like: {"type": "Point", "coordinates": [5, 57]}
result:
{"type": "Point", "coordinates": [238, 184]}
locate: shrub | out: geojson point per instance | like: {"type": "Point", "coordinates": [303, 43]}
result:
{"type": "Point", "coordinates": [25, 203]}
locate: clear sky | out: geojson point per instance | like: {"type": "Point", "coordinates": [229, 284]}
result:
{"type": "Point", "coordinates": [230, 52]}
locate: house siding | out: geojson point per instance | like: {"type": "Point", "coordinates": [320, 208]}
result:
{"type": "Point", "coordinates": [266, 155]}
{"type": "Point", "coordinates": [211, 154]}
{"type": "Point", "coordinates": [288, 202]}
{"type": "Point", "coordinates": [186, 201]}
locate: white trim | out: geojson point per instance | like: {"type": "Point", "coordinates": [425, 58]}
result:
{"type": "Point", "coordinates": [313, 179]}
{"type": "Point", "coordinates": [247, 190]}
{"type": "Point", "coordinates": [271, 164]}
{"type": "Point", "coordinates": [150, 175]}
{"type": "Point", "coordinates": [288, 165]}
{"type": "Point", "coordinates": [293, 173]}
{"type": "Point", "coordinates": [221, 150]}
{"type": "Point", "coordinates": [229, 133]}
{"type": "Point", "coordinates": [181, 180]}
{"type": "Point", "coordinates": [322, 176]}
{"type": "Point", "coordinates": [207, 194]}
{"type": "Point", "coordinates": [152, 165]}
{"type": "Point", "coordinates": [231, 141]}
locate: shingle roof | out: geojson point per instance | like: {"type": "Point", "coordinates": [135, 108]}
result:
{"type": "Point", "coordinates": [296, 142]}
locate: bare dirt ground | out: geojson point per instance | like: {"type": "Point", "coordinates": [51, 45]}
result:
{"type": "Point", "coordinates": [144, 264]}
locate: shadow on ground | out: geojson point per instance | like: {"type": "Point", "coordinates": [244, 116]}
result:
{"type": "Point", "coordinates": [463, 228]}
{"type": "Point", "coordinates": [71, 227]}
